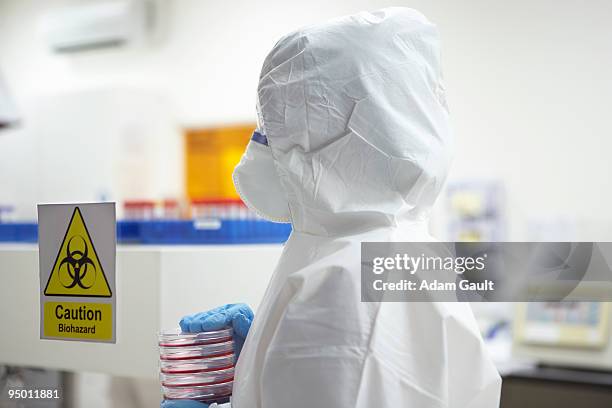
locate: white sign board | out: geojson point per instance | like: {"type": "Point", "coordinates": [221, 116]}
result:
{"type": "Point", "coordinates": [77, 251]}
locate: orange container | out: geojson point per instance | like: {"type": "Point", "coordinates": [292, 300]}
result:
{"type": "Point", "coordinates": [210, 157]}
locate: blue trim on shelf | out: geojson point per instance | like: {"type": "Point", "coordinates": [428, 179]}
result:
{"type": "Point", "coordinates": [173, 232]}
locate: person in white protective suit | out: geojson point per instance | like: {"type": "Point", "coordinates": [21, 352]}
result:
{"type": "Point", "coordinates": [353, 145]}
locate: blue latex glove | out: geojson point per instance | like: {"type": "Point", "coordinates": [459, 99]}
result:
{"type": "Point", "coordinates": [183, 404]}
{"type": "Point", "coordinates": [238, 315]}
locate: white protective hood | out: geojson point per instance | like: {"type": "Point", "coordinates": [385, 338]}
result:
{"type": "Point", "coordinates": [359, 146]}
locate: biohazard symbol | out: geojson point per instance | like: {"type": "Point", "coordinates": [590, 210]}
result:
{"type": "Point", "coordinates": [77, 271]}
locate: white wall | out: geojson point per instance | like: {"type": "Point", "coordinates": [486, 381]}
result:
{"type": "Point", "coordinates": [528, 85]}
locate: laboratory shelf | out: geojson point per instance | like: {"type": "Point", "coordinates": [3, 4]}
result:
{"type": "Point", "coordinates": [128, 232]}
{"type": "Point", "coordinates": [173, 232]}
{"type": "Point", "coordinates": [26, 232]}
{"type": "Point", "coordinates": [214, 231]}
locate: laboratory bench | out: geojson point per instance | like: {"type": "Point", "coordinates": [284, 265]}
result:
{"type": "Point", "coordinates": [156, 286]}
{"type": "Point", "coordinates": [556, 387]}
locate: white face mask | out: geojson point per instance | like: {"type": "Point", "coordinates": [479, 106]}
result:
{"type": "Point", "coordinates": [257, 181]}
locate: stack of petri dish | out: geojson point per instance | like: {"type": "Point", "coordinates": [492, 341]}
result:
{"type": "Point", "coordinates": [197, 366]}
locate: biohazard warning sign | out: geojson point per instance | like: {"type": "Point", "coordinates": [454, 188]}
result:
{"type": "Point", "coordinates": [77, 250]}
{"type": "Point", "coordinates": [77, 270]}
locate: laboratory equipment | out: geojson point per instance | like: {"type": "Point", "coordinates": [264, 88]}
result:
{"type": "Point", "coordinates": [171, 210]}
{"type": "Point", "coordinates": [174, 338]}
{"type": "Point", "coordinates": [206, 393]}
{"type": "Point", "coordinates": [475, 211]}
{"type": "Point", "coordinates": [138, 209]}
{"type": "Point", "coordinates": [198, 366]}
{"type": "Point", "coordinates": [202, 377]}
{"type": "Point", "coordinates": [196, 351]}
{"type": "Point", "coordinates": [220, 208]}
{"type": "Point", "coordinates": [210, 157]}
{"type": "Point", "coordinates": [215, 221]}
{"type": "Point", "coordinates": [573, 334]}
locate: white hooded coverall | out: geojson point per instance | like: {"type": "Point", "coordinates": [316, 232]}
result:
{"type": "Point", "coordinates": [359, 147]}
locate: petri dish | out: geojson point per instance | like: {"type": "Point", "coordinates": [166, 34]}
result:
{"type": "Point", "coordinates": [196, 378]}
{"type": "Point", "coordinates": [176, 338]}
{"type": "Point", "coordinates": [197, 364]}
{"type": "Point", "coordinates": [199, 392]}
{"type": "Point", "coordinates": [196, 351]}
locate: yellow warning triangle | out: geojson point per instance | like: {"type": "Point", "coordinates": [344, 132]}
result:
{"type": "Point", "coordinates": [77, 271]}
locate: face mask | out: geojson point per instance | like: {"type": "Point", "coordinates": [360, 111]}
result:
{"type": "Point", "coordinates": [258, 183]}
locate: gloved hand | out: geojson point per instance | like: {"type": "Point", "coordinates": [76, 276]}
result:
{"type": "Point", "coordinates": [183, 404]}
{"type": "Point", "coordinates": [238, 315]}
